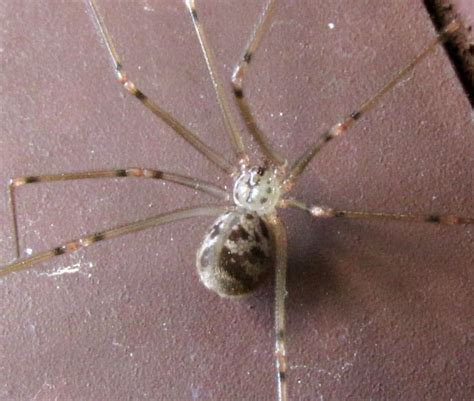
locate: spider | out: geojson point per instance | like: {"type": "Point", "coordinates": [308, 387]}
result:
{"type": "Point", "coordinates": [248, 238]}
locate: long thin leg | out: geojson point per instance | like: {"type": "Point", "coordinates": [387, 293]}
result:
{"type": "Point", "coordinates": [281, 247]}
{"type": "Point", "coordinates": [12, 200]}
{"type": "Point", "coordinates": [88, 240]}
{"type": "Point", "coordinates": [180, 129]}
{"type": "Point", "coordinates": [231, 128]}
{"type": "Point", "coordinates": [237, 83]}
{"type": "Point", "coordinates": [349, 121]}
{"type": "Point", "coordinates": [322, 212]}
{"type": "Point", "coordinates": [190, 182]}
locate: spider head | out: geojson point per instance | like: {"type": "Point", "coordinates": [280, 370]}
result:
{"type": "Point", "coordinates": [257, 189]}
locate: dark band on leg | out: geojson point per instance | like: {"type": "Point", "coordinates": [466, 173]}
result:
{"type": "Point", "coordinates": [60, 250]}
{"type": "Point", "coordinates": [280, 335]}
{"type": "Point", "coordinates": [433, 219]}
{"type": "Point", "coordinates": [328, 135]}
{"type": "Point", "coordinates": [32, 179]}
{"type": "Point", "coordinates": [98, 237]}
{"type": "Point", "coordinates": [139, 95]}
{"type": "Point", "coordinates": [157, 174]}
{"type": "Point", "coordinates": [247, 57]}
{"type": "Point", "coordinates": [238, 93]}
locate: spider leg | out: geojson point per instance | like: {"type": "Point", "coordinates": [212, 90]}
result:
{"type": "Point", "coordinates": [342, 127]}
{"type": "Point", "coordinates": [190, 182]}
{"type": "Point", "coordinates": [231, 128]}
{"type": "Point", "coordinates": [281, 257]}
{"type": "Point", "coordinates": [237, 83]}
{"type": "Point", "coordinates": [179, 128]}
{"type": "Point", "coordinates": [323, 212]}
{"type": "Point", "coordinates": [115, 232]}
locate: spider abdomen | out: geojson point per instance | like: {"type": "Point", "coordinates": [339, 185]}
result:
{"type": "Point", "coordinates": [236, 254]}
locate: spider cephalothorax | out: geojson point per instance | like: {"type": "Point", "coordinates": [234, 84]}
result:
{"type": "Point", "coordinates": [257, 189]}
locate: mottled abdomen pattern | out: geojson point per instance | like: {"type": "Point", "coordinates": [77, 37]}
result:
{"type": "Point", "coordinates": [236, 254]}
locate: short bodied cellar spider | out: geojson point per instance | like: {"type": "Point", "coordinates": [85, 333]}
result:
{"type": "Point", "coordinates": [275, 169]}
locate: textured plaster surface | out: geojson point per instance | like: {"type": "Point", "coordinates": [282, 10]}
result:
{"type": "Point", "coordinates": [376, 310]}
